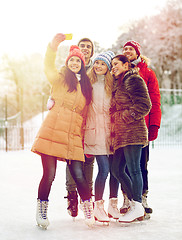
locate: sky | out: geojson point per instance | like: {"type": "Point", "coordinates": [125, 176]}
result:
{"type": "Point", "coordinates": [28, 26]}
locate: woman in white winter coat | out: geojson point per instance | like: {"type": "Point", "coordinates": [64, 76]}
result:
{"type": "Point", "coordinates": [97, 131]}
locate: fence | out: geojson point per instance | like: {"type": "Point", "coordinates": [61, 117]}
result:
{"type": "Point", "coordinates": [170, 133]}
{"type": "Point", "coordinates": [18, 137]}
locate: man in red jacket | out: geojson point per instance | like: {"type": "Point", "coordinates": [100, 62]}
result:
{"type": "Point", "coordinates": [131, 49]}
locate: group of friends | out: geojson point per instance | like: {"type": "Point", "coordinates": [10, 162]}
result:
{"type": "Point", "coordinates": [106, 109]}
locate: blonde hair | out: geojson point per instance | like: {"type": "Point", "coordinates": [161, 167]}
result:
{"type": "Point", "coordinates": [108, 80]}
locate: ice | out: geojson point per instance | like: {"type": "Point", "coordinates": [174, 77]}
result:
{"type": "Point", "coordinates": [20, 173]}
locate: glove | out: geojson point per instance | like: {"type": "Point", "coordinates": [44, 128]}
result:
{"type": "Point", "coordinates": [153, 132]}
{"type": "Point", "coordinates": [50, 103]}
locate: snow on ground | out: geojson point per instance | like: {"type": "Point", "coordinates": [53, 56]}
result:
{"type": "Point", "coordinates": [20, 173]}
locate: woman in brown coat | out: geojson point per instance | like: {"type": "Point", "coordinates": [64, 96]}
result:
{"type": "Point", "coordinates": [129, 104]}
{"type": "Point", "coordinates": [60, 136]}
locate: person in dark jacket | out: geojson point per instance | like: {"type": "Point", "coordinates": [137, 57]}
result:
{"type": "Point", "coordinates": [132, 50]}
{"type": "Point", "coordinates": [130, 103]}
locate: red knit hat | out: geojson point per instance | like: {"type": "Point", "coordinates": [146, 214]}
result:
{"type": "Point", "coordinates": [135, 45]}
{"type": "Point", "coordinates": [75, 51]}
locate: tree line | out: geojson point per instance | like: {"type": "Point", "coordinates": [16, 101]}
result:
{"type": "Point", "coordinates": [160, 37]}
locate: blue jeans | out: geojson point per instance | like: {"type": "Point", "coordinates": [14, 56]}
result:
{"type": "Point", "coordinates": [129, 156]}
{"type": "Point", "coordinates": [103, 171]}
{"type": "Point", "coordinates": [113, 182]}
{"type": "Point", "coordinates": [103, 162]}
{"type": "Point", "coordinates": [88, 166]}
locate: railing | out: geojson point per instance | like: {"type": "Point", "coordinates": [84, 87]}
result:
{"type": "Point", "coordinates": [170, 132]}
{"type": "Point", "coordinates": [10, 137]}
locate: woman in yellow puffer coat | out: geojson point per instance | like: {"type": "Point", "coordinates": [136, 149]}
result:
{"type": "Point", "coordinates": [60, 136]}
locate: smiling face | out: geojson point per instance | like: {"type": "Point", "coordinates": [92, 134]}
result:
{"type": "Point", "coordinates": [100, 67]}
{"type": "Point", "coordinates": [119, 67]}
{"type": "Point", "coordinates": [86, 49]}
{"type": "Point", "coordinates": [130, 53]}
{"type": "Point", "coordinates": [74, 64]}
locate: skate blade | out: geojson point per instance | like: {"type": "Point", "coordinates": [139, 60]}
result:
{"type": "Point", "coordinates": [105, 223]}
{"type": "Point", "coordinates": [134, 220]}
{"type": "Point", "coordinates": [42, 227]}
{"type": "Point", "coordinates": [110, 216]}
{"type": "Point", "coordinates": [90, 224]}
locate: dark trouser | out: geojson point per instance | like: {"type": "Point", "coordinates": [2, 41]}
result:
{"type": "Point", "coordinates": [129, 156]}
{"type": "Point", "coordinates": [143, 164]}
{"type": "Point", "coordinates": [113, 182]}
{"type": "Point", "coordinates": [88, 166]}
{"type": "Point", "coordinates": [49, 164]}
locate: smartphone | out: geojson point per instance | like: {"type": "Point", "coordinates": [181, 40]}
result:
{"type": "Point", "coordinates": [69, 36]}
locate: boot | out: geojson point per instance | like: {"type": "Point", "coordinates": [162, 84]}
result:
{"type": "Point", "coordinates": [72, 208]}
{"type": "Point", "coordinates": [126, 204]}
{"type": "Point", "coordinates": [88, 212]}
{"type": "Point", "coordinates": [145, 204]}
{"type": "Point", "coordinates": [41, 214]}
{"type": "Point", "coordinates": [136, 212]}
{"type": "Point", "coordinates": [113, 211]}
{"type": "Point", "coordinates": [99, 212]}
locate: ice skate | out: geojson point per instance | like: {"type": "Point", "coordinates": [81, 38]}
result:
{"type": "Point", "coordinates": [41, 214]}
{"type": "Point", "coordinates": [113, 211]}
{"type": "Point", "coordinates": [72, 208]}
{"type": "Point", "coordinates": [136, 212]}
{"type": "Point", "coordinates": [88, 212]}
{"type": "Point", "coordinates": [148, 210]}
{"type": "Point", "coordinates": [99, 212]}
{"type": "Point", "coordinates": [126, 204]}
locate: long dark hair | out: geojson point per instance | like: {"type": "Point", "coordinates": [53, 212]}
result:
{"type": "Point", "coordinates": [123, 59]}
{"type": "Point", "coordinates": [71, 81]}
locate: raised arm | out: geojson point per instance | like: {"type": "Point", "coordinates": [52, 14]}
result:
{"type": "Point", "coordinates": [50, 57]}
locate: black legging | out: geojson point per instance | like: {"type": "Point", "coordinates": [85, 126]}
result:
{"type": "Point", "coordinates": [49, 164]}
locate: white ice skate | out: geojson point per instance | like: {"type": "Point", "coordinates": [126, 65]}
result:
{"type": "Point", "coordinates": [99, 212]}
{"type": "Point", "coordinates": [136, 212]}
{"type": "Point", "coordinates": [113, 211]}
{"type": "Point", "coordinates": [41, 214]}
{"type": "Point", "coordinates": [88, 212]}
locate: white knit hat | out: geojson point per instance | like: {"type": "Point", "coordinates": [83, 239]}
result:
{"type": "Point", "coordinates": [105, 57]}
